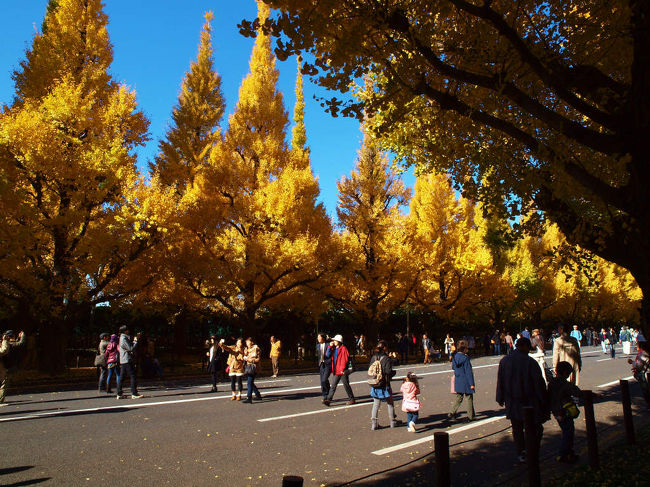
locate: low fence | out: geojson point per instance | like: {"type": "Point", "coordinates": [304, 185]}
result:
{"type": "Point", "coordinates": [441, 442]}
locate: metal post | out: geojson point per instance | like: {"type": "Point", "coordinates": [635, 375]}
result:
{"type": "Point", "coordinates": [292, 481]}
{"type": "Point", "coordinates": [627, 412]}
{"type": "Point", "coordinates": [532, 447]}
{"type": "Point", "coordinates": [592, 433]}
{"type": "Point", "coordinates": [441, 447]}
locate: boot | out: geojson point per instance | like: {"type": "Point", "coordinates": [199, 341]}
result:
{"type": "Point", "coordinates": [374, 424]}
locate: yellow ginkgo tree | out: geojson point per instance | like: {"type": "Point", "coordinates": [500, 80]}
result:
{"type": "Point", "coordinates": [72, 222]}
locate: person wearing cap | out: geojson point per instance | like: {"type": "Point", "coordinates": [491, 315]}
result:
{"type": "Point", "coordinates": [127, 348]}
{"type": "Point", "coordinates": [340, 356]}
{"type": "Point", "coordinates": [520, 384]}
{"type": "Point", "coordinates": [324, 365]}
{"type": "Point", "coordinates": [100, 361]}
{"type": "Point", "coordinates": [6, 363]}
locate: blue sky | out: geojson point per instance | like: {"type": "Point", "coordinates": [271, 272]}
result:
{"type": "Point", "coordinates": [154, 42]}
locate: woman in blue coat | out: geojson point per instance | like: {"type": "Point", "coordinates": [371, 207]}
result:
{"type": "Point", "coordinates": [463, 386]}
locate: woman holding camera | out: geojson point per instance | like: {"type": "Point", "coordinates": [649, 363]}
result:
{"type": "Point", "coordinates": [235, 366]}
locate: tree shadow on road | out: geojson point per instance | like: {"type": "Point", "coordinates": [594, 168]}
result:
{"type": "Point", "coordinates": [10, 470]}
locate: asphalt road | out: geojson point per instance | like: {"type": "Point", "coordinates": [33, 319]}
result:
{"type": "Point", "coordinates": [184, 435]}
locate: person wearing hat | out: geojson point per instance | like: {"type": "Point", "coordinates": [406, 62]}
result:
{"type": "Point", "coordinates": [101, 362]}
{"type": "Point", "coordinates": [6, 363]}
{"type": "Point", "coordinates": [340, 356]}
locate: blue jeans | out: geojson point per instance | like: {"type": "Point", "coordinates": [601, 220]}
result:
{"type": "Point", "coordinates": [568, 433]}
{"type": "Point", "coordinates": [251, 388]}
{"type": "Point", "coordinates": [111, 370]}
{"type": "Point", "coordinates": [411, 417]}
{"type": "Point", "coordinates": [497, 349]}
{"type": "Point", "coordinates": [612, 350]}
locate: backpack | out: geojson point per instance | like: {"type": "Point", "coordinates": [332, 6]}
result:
{"type": "Point", "coordinates": [375, 374]}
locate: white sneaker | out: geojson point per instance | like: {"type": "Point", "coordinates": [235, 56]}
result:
{"type": "Point", "coordinates": [411, 428]}
{"type": "Point", "coordinates": [136, 396]}
{"type": "Point", "coordinates": [119, 396]}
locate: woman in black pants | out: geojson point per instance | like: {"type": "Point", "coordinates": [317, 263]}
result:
{"type": "Point", "coordinates": [215, 362]}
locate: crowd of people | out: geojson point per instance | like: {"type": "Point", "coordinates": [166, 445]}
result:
{"type": "Point", "coordinates": [523, 379]}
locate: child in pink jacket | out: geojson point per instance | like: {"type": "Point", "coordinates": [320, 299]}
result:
{"type": "Point", "coordinates": [410, 402]}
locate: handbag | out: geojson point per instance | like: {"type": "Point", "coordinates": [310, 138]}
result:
{"type": "Point", "coordinates": [571, 409]}
{"type": "Point", "coordinates": [350, 367]}
{"type": "Point", "coordinates": [410, 405]}
{"type": "Point", "coordinates": [250, 369]}
{"type": "Point", "coordinates": [100, 360]}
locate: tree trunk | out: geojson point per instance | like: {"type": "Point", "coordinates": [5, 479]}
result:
{"type": "Point", "coordinates": [52, 345]}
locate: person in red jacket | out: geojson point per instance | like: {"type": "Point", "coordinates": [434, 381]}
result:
{"type": "Point", "coordinates": [340, 357]}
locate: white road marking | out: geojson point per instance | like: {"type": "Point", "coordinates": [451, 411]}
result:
{"type": "Point", "coordinates": [615, 381]}
{"type": "Point", "coordinates": [603, 359]}
{"type": "Point", "coordinates": [319, 411]}
{"type": "Point", "coordinates": [256, 383]}
{"type": "Point", "coordinates": [426, 439]}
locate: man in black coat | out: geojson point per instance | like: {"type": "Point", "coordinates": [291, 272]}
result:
{"type": "Point", "coordinates": [519, 384]}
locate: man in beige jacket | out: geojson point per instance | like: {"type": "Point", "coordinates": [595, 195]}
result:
{"type": "Point", "coordinates": [567, 349]}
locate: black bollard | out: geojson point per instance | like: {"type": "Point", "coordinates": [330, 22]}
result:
{"type": "Point", "coordinates": [592, 433]}
{"type": "Point", "coordinates": [292, 481]}
{"type": "Point", "coordinates": [627, 412]}
{"type": "Point", "coordinates": [531, 432]}
{"type": "Point", "coordinates": [441, 447]}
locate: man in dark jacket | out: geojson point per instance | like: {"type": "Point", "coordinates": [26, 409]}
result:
{"type": "Point", "coordinates": [324, 365]}
{"type": "Point", "coordinates": [339, 355]}
{"type": "Point", "coordinates": [519, 384]}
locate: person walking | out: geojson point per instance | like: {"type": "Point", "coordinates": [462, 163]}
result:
{"type": "Point", "coordinates": [463, 382]}
{"type": "Point", "coordinates": [410, 403]}
{"type": "Point", "coordinates": [380, 373]}
{"type": "Point", "coordinates": [340, 356]}
{"type": "Point", "coordinates": [510, 343]}
{"type": "Point", "coordinates": [112, 362]}
{"type": "Point", "coordinates": [537, 351]}
{"type": "Point", "coordinates": [324, 365]}
{"type": "Point", "coordinates": [496, 343]}
{"type": "Point", "coordinates": [127, 349]}
{"type": "Point", "coordinates": [449, 343]}
{"type": "Point", "coordinates": [561, 393]}
{"type": "Point", "coordinates": [520, 384]}
{"type": "Point", "coordinates": [8, 360]}
{"type": "Point", "coordinates": [403, 345]}
{"type": "Point", "coordinates": [626, 340]}
{"type": "Point", "coordinates": [577, 334]}
{"type": "Point", "coordinates": [426, 345]}
{"type": "Point", "coordinates": [235, 366]}
{"type": "Point", "coordinates": [567, 349]}
{"type": "Point", "coordinates": [276, 350]}
{"type": "Point", "coordinates": [611, 342]}
{"type": "Point", "coordinates": [216, 365]}
{"type": "Point", "coordinates": [252, 356]}
{"type": "Point", "coordinates": [100, 362]}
